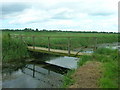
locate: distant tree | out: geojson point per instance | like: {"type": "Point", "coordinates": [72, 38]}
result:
{"type": "Point", "coordinates": [28, 29]}
{"type": "Point", "coordinates": [36, 30]}
{"type": "Point", "coordinates": [110, 32]}
{"type": "Point", "coordinates": [25, 29]}
{"type": "Point", "coordinates": [44, 30]}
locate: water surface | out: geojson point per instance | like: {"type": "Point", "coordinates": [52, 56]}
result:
{"type": "Point", "coordinates": [43, 72]}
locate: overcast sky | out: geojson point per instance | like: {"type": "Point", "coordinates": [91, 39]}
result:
{"type": "Point", "coordinates": [75, 15]}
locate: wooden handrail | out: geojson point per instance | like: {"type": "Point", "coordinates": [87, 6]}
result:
{"type": "Point", "coordinates": [54, 36]}
{"type": "Point", "coordinates": [49, 40]}
{"type": "Point", "coordinates": [33, 42]}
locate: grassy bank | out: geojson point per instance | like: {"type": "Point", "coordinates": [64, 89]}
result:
{"type": "Point", "coordinates": [12, 49]}
{"type": "Point", "coordinates": [68, 79]}
{"type": "Point", "coordinates": [109, 60]}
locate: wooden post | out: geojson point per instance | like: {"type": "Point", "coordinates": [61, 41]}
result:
{"type": "Point", "coordinates": [95, 44]}
{"type": "Point", "coordinates": [48, 43]}
{"type": "Point", "coordinates": [69, 44]}
{"type": "Point", "coordinates": [33, 42]}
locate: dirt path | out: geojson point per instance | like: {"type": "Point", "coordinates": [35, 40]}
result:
{"type": "Point", "coordinates": [87, 76]}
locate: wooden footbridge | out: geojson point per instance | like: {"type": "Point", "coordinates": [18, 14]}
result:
{"type": "Point", "coordinates": [56, 51]}
{"type": "Point", "coordinates": [50, 50]}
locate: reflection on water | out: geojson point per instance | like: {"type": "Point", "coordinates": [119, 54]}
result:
{"type": "Point", "coordinates": [63, 61]}
{"type": "Point", "coordinates": [32, 76]}
{"type": "Point", "coordinates": [39, 74]}
{"type": "Point", "coordinates": [67, 62]}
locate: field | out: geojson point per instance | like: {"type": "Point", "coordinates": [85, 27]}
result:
{"type": "Point", "coordinates": [80, 40]}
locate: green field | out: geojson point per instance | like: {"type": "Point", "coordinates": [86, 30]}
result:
{"type": "Point", "coordinates": [62, 42]}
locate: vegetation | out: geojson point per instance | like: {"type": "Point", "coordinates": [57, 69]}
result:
{"type": "Point", "coordinates": [15, 49]}
{"type": "Point", "coordinates": [62, 43]}
{"type": "Point", "coordinates": [45, 30]}
{"type": "Point", "coordinates": [68, 79]}
{"type": "Point", "coordinates": [110, 67]}
{"type": "Point", "coordinates": [12, 49]}
{"type": "Point", "coordinates": [109, 59]}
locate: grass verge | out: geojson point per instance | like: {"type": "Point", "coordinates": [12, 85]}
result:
{"type": "Point", "coordinates": [68, 79]}
{"type": "Point", "coordinates": [109, 59]}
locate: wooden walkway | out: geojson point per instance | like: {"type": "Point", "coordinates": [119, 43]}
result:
{"type": "Point", "coordinates": [56, 51]}
{"type": "Point", "coordinates": [68, 52]}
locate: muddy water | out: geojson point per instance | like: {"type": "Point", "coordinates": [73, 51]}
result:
{"type": "Point", "coordinates": [45, 71]}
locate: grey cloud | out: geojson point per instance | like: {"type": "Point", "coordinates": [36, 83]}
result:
{"type": "Point", "coordinates": [61, 15]}
{"type": "Point", "coordinates": [84, 7]}
{"type": "Point", "coordinates": [9, 8]}
{"type": "Point", "coordinates": [101, 14]}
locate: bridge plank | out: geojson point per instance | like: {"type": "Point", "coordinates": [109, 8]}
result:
{"type": "Point", "coordinates": [56, 51]}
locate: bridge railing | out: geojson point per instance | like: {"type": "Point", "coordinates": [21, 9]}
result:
{"type": "Point", "coordinates": [69, 43]}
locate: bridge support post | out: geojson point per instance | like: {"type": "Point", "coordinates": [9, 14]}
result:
{"type": "Point", "coordinates": [33, 42]}
{"type": "Point", "coordinates": [69, 45]}
{"type": "Point", "coordinates": [48, 43]}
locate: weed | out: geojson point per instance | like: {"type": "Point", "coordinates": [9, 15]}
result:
{"type": "Point", "coordinates": [13, 49]}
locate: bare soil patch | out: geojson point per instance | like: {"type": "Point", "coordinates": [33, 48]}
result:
{"type": "Point", "coordinates": [87, 76]}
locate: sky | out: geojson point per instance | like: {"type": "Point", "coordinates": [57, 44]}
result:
{"type": "Point", "coordinates": [70, 15]}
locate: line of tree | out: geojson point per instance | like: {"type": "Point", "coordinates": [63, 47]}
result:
{"type": "Point", "coordinates": [45, 30]}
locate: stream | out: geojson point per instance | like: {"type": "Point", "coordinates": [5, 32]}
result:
{"type": "Point", "coordinates": [45, 71]}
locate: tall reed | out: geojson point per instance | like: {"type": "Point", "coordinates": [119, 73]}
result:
{"type": "Point", "coordinates": [13, 49]}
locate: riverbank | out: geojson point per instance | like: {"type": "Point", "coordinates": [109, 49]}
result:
{"type": "Point", "coordinates": [13, 49]}
{"type": "Point", "coordinates": [87, 76]}
{"type": "Point", "coordinates": [97, 71]}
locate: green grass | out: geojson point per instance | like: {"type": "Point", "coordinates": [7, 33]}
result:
{"type": "Point", "coordinates": [13, 49]}
{"type": "Point", "coordinates": [84, 59]}
{"type": "Point", "coordinates": [68, 79]}
{"type": "Point", "coordinates": [109, 59]}
{"type": "Point", "coordinates": [110, 76]}
{"type": "Point", "coordinates": [62, 43]}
